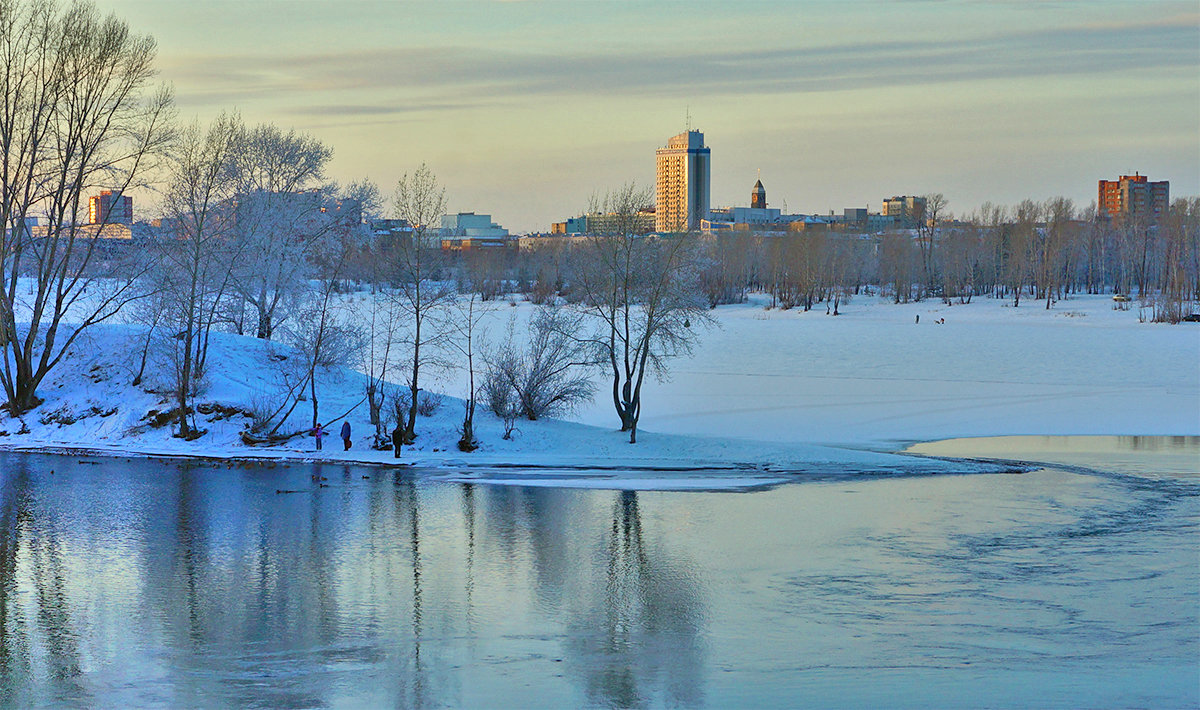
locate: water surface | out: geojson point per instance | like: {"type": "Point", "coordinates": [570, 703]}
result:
{"type": "Point", "coordinates": [142, 582]}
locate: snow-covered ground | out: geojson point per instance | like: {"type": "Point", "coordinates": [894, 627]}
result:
{"type": "Point", "coordinates": [874, 377]}
{"type": "Point", "coordinates": [767, 391]}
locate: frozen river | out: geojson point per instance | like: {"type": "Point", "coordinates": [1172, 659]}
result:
{"type": "Point", "coordinates": [142, 582]}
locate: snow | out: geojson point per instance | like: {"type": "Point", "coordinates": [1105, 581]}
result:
{"type": "Point", "coordinates": [768, 395]}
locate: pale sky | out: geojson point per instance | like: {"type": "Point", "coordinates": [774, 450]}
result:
{"type": "Point", "coordinates": [524, 109]}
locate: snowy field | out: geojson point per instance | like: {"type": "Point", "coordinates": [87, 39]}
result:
{"type": "Point", "coordinates": [873, 377]}
{"type": "Point", "coordinates": [767, 391]}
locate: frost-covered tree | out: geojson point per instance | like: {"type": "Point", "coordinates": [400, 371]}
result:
{"type": "Point", "coordinates": [279, 219]}
{"type": "Point", "coordinates": [78, 113]}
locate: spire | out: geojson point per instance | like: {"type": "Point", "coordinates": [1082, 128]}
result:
{"type": "Point", "coordinates": [758, 195]}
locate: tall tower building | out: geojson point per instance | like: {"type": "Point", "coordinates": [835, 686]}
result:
{"type": "Point", "coordinates": [683, 184]}
{"type": "Point", "coordinates": [758, 196]}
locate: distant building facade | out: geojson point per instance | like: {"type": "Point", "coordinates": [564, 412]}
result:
{"type": "Point", "coordinates": [478, 243]}
{"type": "Point", "coordinates": [906, 210]}
{"type": "Point", "coordinates": [110, 208]}
{"type": "Point", "coordinates": [469, 224]}
{"type": "Point", "coordinates": [467, 231]}
{"type": "Point", "coordinates": [642, 222]}
{"type": "Point", "coordinates": [683, 183]}
{"type": "Point", "coordinates": [1133, 196]}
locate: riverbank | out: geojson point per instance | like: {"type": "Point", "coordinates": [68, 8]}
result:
{"type": "Point", "coordinates": [767, 391]}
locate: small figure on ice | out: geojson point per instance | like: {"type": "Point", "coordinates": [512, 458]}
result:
{"type": "Point", "coordinates": [346, 435]}
{"type": "Point", "coordinates": [317, 433]}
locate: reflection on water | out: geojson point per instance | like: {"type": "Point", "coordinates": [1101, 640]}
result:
{"type": "Point", "coordinates": [126, 583]}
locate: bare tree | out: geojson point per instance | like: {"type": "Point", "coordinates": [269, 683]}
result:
{"type": "Point", "coordinates": [1021, 247]}
{"type": "Point", "coordinates": [77, 112]}
{"type": "Point", "coordinates": [368, 196]}
{"type": "Point", "coordinates": [196, 263]}
{"type": "Point", "coordinates": [377, 361]}
{"type": "Point", "coordinates": [928, 220]}
{"type": "Point", "coordinates": [468, 312]}
{"type": "Point", "coordinates": [322, 334]}
{"type": "Point", "coordinates": [644, 294]}
{"type": "Point", "coordinates": [1180, 281]}
{"type": "Point", "coordinates": [421, 200]}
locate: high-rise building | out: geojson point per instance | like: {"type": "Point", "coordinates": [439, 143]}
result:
{"type": "Point", "coordinates": [1132, 196]}
{"type": "Point", "coordinates": [683, 184]}
{"type": "Point", "coordinates": [110, 208]}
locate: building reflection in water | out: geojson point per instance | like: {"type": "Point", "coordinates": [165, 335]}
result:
{"type": "Point", "coordinates": [148, 582]}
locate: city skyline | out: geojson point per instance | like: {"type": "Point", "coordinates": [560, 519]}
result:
{"type": "Point", "coordinates": [525, 109]}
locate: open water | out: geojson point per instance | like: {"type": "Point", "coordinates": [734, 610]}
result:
{"type": "Point", "coordinates": [127, 583]}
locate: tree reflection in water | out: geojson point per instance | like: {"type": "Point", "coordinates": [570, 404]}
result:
{"type": "Point", "coordinates": [197, 585]}
{"type": "Point", "coordinates": [639, 642]}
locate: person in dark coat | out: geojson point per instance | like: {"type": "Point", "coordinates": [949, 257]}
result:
{"type": "Point", "coordinates": [317, 433]}
{"type": "Point", "coordinates": [397, 440]}
{"type": "Point", "coordinates": [346, 435]}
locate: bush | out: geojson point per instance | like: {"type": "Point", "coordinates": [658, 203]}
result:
{"type": "Point", "coordinates": [428, 403]}
{"type": "Point", "coordinates": [501, 399]}
{"type": "Point", "coordinates": [549, 378]}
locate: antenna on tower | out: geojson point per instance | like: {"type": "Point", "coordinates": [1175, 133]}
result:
{"type": "Point", "coordinates": [688, 113]}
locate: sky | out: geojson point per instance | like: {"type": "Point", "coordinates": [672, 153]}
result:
{"type": "Point", "coordinates": [524, 110]}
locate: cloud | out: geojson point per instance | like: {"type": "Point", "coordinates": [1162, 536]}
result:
{"type": "Point", "coordinates": [409, 79]}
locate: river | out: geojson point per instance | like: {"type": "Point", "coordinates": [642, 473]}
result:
{"type": "Point", "coordinates": [139, 582]}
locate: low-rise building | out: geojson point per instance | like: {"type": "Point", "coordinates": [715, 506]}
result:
{"type": "Point", "coordinates": [469, 224]}
{"type": "Point", "coordinates": [907, 210]}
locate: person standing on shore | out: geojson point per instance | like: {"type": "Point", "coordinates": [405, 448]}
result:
{"type": "Point", "coordinates": [317, 433]}
{"type": "Point", "coordinates": [397, 440]}
{"type": "Point", "coordinates": [346, 435]}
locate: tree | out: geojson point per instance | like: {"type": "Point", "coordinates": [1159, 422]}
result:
{"type": "Point", "coordinates": [280, 195]}
{"type": "Point", "coordinates": [195, 248]}
{"type": "Point", "coordinates": [77, 113]}
{"type": "Point", "coordinates": [1021, 246]}
{"type": "Point", "coordinates": [468, 311]}
{"type": "Point", "coordinates": [421, 200]}
{"type": "Point", "coordinates": [927, 225]}
{"type": "Point", "coordinates": [547, 377]}
{"type": "Point", "coordinates": [381, 332]}
{"type": "Point", "coordinates": [644, 294]}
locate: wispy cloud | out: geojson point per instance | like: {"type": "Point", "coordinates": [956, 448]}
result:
{"type": "Point", "coordinates": [424, 74]}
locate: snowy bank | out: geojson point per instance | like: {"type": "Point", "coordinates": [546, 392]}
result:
{"type": "Point", "coordinates": [91, 406]}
